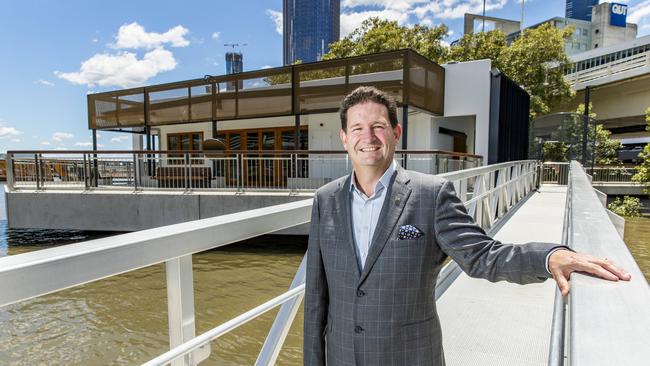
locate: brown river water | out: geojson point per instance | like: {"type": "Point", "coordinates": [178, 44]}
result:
{"type": "Point", "coordinates": [122, 320]}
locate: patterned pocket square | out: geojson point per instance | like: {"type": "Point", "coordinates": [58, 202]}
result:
{"type": "Point", "coordinates": [409, 232]}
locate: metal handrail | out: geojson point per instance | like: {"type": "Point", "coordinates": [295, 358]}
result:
{"type": "Point", "coordinates": [598, 325]}
{"type": "Point", "coordinates": [224, 328]}
{"type": "Point", "coordinates": [239, 170]}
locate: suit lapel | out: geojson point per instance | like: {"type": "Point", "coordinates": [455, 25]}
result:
{"type": "Point", "coordinates": [396, 196]}
{"type": "Point", "coordinates": [344, 221]}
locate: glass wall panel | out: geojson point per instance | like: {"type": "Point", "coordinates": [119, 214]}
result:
{"type": "Point", "coordinates": [426, 85]}
{"type": "Point", "coordinates": [321, 89]}
{"type": "Point", "coordinates": [264, 96]}
{"type": "Point", "coordinates": [288, 140]}
{"type": "Point", "coordinates": [225, 103]}
{"type": "Point", "coordinates": [201, 103]}
{"type": "Point", "coordinates": [417, 84]}
{"type": "Point", "coordinates": [105, 115]}
{"type": "Point", "coordinates": [131, 111]}
{"type": "Point", "coordinates": [169, 106]}
{"type": "Point", "coordinates": [386, 75]}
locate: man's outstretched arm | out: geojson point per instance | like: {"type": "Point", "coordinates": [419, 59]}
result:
{"type": "Point", "coordinates": [481, 256]}
{"type": "Point", "coordinates": [316, 296]}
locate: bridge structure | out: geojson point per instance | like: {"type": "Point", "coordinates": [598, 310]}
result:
{"type": "Point", "coordinates": [599, 323]}
{"type": "Point", "coordinates": [618, 80]}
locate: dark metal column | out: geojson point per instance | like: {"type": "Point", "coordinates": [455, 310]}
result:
{"type": "Point", "coordinates": [585, 128]}
{"type": "Point", "coordinates": [95, 173]}
{"type": "Point", "coordinates": [147, 131]}
{"type": "Point", "coordinates": [405, 125]}
{"type": "Point", "coordinates": [296, 145]}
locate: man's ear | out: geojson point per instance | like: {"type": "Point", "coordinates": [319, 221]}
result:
{"type": "Point", "coordinates": [397, 132]}
{"type": "Point", "coordinates": [344, 138]}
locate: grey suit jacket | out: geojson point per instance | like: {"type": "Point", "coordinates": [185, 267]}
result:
{"type": "Point", "coordinates": [386, 313]}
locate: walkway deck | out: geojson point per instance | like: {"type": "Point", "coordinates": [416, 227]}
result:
{"type": "Point", "coordinates": [501, 323]}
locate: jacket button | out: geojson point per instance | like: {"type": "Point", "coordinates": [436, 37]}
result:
{"type": "Point", "coordinates": [358, 329]}
{"type": "Point", "coordinates": [361, 293]}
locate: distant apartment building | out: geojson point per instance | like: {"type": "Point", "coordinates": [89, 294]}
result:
{"type": "Point", "coordinates": [607, 27]}
{"type": "Point", "coordinates": [579, 9]}
{"type": "Point", "coordinates": [309, 27]}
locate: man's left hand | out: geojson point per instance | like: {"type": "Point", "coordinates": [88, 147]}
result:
{"type": "Point", "coordinates": [563, 262]}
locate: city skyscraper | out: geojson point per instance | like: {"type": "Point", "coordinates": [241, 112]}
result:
{"type": "Point", "coordinates": [234, 65]}
{"type": "Point", "coordinates": [309, 27]}
{"type": "Point", "coordinates": [234, 62]}
{"type": "Point", "coordinates": [579, 9]}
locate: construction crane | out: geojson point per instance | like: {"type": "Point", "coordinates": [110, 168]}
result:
{"type": "Point", "coordinates": [233, 45]}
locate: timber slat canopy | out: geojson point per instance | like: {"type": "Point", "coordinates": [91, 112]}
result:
{"type": "Point", "coordinates": [316, 87]}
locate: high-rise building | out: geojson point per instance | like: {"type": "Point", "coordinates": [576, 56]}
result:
{"type": "Point", "coordinates": [309, 27]}
{"type": "Point", "coordinates": [608, 26]}
{"type": "Point", "coordinates": [234, 62]}
{"type": "Point", "coordinates": [234, 65]}
{"type": "Point", "coordinates": [579, 9]}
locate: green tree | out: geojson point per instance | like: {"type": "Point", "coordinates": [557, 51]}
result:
{"type": "Point", "coordinates": [643, 173]}
{"type": "Point", "coordinates": [629, 206]}
{"type": "Point", "coordinates": [377, 35]}
{"type": "Point", "coordinates": [556, 151]}
{"type": "Point", "coordinates": [536, 61]}
{"type": "Point", "coordinates": [606, 148]}
{"type": "Point", "coordinates": [478, 46]}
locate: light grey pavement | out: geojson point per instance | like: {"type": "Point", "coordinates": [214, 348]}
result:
{"type": "Point", "coordinates": [501, 323]}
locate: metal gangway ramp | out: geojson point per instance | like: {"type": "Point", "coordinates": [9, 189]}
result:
{"type": "Point", "coordinates": [607, 323]}
{"type": "Point", "coordinates": [504, 323]}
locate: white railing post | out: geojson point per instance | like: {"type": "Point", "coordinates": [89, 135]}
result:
{"type": "Point", "coordinates": [180, 308]}
{"type": "Point", "coordinates": [9, 162]}
{"type": "Point", "coordinates": [280, 328]}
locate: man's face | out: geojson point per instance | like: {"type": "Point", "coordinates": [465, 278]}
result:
{"type": "Point", "coordinates": [369, 138]}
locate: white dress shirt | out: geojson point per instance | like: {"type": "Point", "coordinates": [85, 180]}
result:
{"type": "Point", "coordinates": [365, 212]}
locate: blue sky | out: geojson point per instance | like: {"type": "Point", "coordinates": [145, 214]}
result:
{"type": "Point", "coordinates": [56, 52]}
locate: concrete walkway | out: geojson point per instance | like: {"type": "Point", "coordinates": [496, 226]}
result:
{"type": "Point", "coordinates": [501, 323]}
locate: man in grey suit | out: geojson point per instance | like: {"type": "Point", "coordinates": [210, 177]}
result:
{"type": "Point", "coordinates": [377, 242]}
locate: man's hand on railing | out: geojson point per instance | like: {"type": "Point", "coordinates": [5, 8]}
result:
{"type": "Point", "coordinates": [563, 262]}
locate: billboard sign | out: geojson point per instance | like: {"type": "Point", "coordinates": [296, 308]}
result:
{"type": "Point", "coordinates": [617, 14]}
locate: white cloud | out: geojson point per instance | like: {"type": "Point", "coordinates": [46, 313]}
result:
{"type": "Point", "coordinates": [15, 140]}
{"type": "Point", "coordinates": [351, 21]}
{"type": "Point", "coordinates": [276, 17]}
{"type": "Point", "coordinates": [216, 35]}
{"type": "Point", "coordinates": [61, 148]}
{"type": "Point", "coordinates": [60, 136]}
{"type": "Point", "coordinates": [7, 132]}
{"type": "Point", "coordinates": [639, 13]}
{"type": "Point", "coordinates": [119, 139]}
{"type": "Point", "coordinates": [45, 82]}
{"type": "Point", "coordinates": [134, 36]}
{"type": "Point", "coordinates": [123, 69]}
{"type": "Point", "coordinates": [99, 135]}
{"type": "Point", "coordinates": [265, 67]}
{"type": "Point", "coordinates": [45, 143]}
{"type": "Point", "coordinates": [87, 144]}
{"type": "Point", "coordinates": [95, 40]}
{"type": "Point", "coordinates": [354, 12]}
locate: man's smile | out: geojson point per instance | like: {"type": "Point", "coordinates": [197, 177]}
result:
{"type": "Point", "coordinates": [369, 149]}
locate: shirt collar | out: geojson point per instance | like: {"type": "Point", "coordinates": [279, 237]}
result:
{"type": "Point", "coordinates": [384, 181]}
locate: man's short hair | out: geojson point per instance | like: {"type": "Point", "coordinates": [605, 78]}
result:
{"type": "Point", "coordinates": [365, 94]}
